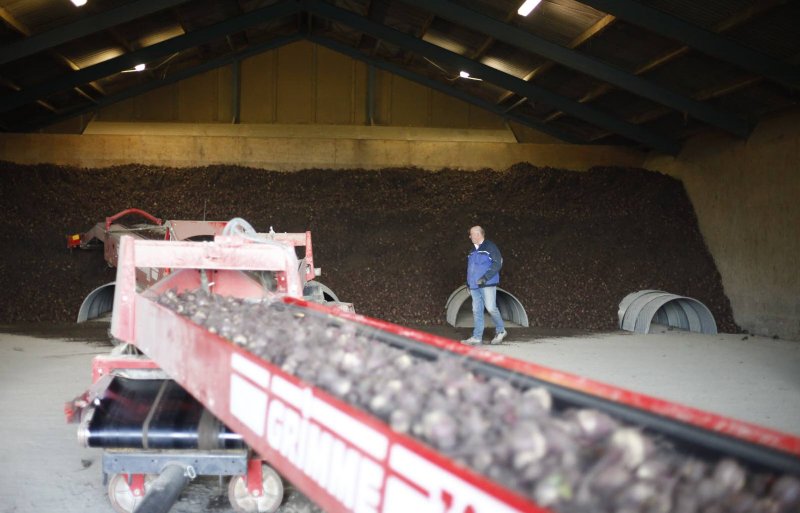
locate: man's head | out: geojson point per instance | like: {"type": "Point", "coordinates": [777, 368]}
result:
{"type": "Point", "coordinates": [476, 234]}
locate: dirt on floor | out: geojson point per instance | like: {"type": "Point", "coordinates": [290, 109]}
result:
{"type": "Point", "coordinates": [393, 242]}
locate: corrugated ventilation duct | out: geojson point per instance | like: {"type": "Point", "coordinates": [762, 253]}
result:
{"type": "Point", "coordinates": [637, 311]}
{"type": "Point", "coordinates": [97, 303]}
{"type": "Point", "coordinates": [319, 291]}
{"type": "Point", "coordinates": [459, 310]}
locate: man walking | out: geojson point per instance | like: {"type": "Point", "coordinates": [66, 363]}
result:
{"type": "Point", "coordinates": [483, 276]}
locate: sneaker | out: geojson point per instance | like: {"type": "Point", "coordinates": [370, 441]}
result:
{"type": "Point", "coordinates": [499, 337]}
{"type": "Point", "coordinates": [471, 341]}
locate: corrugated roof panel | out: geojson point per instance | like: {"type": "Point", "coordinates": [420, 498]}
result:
{"type": "Point", "coordinates": [90, 50]}
{"type": "Point", "coordinates": [627, 46]}
{"type": "Point", "coordinates": [559, 21]}
{"type": "Point", "coordinates": [677, 126]}
{"type": "Point", "coordinates": [359, 7]}
{"type": "Point", "coordinates": [580, 128]}
{"type": "Point", "coordinates": [403, 17]}
{"type": "Point", "coordinates": [149, 30]}
{"type": "Point", "coordinates": [202, 13]}
{"type": "Point", "coordinates": [566, 82]}
{"type": "Point", "coordinates": [623, 104]}
{"type": "Point", "coordinates": [533, 109]}
{"type": "Point", "coordinates": [42, 15]}
{"type": "Point", "coordinates": [271, 30]}
{"type": "Point", "coordinates": [694, 73]}
{"type": "Point", "coordinates": [757, 100]}
{"type": "Point", "coordinates": [774, 33]}
{"type": "Point", "coordinates": [705, 14]}
{"type": "Point", "coordinates": [498, 9]}
{"type": "Point", "coordinates": [31, 70]}
{"type": "Point", "coordinates": [444, 41]}
{"type": "Point", "coordinates": [334, 30]}
{"type": "Point", "coordinates": [22, 115]}
{"type": "Point", "coordinates": [65, 99]}
{"type": "Point", "coordinates": [511, 59]}
{"type": "Point", "coordinates": [97, 55]}
{"type": "Point", "coordinates": [453, 37]}
{"type": "Point", "coordinates": [156, 36]}
{"type": "Point", "coordinates": [389, 51]}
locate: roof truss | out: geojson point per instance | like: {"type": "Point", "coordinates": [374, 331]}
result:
{"type": "Point", "coordinates": [373, 29]}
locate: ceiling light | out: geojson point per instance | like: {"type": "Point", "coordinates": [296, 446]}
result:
{"type": "Point", "coordinates": [78, 3]}
{"type": "Point", "coordinates": [528, 6]}
{"type": "Point", "coordinates": [463, 74]}
{"type": "Point", "coordinates": [138, 67]}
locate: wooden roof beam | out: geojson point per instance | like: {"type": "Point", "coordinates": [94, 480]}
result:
{"type": "Point", "coordinates": [734, 21]}
{"type": "Point", "coordinates": [596, 28]}
{"type": "Point", "coordinates": [170, 46]}
{"type": "Point", "coordinates": [491, 75]}
{"type": "Point", "coordinates": [23, 30]}
{"type": "Point", "coordinates": [77, 29]}
{"type": "Point", "coordinates": [703, 40]}
{"type": "Point", "coordinates": [586, 64]}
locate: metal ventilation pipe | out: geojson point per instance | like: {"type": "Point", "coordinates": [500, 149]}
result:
{"type": "Point", "coordinates": [459, 309]}
{"type": "Point", "coordinates": [638, 310]}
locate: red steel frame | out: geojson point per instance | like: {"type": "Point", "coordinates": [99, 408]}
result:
{"type": "Point", "coordinates": [179, 230]}
{"type": "Point", "coordinates": [343, 458]}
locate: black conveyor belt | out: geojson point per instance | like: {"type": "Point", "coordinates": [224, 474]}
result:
{"type": "Point", "coordinates": [155, 414]}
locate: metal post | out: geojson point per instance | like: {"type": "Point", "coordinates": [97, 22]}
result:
{"type": "Point", "coordinates": [371, 95]}
{"type": "Point", "coordinates": [237, 94]}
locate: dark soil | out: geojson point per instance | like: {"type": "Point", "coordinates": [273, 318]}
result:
{"type": "Point", "coordinates": [95, 332]}
{"type": "Point", "coordinates": [393, 242]}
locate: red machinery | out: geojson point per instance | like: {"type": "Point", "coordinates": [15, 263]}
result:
{"type": "Point", "coordinates": [109, 233]}
{"type": "Point", "coordinates": [342, 457]}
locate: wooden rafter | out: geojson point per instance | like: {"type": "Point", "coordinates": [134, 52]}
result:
{"type": "Point", "coordinates": [12, 85]}
{"type": "Point", "coordinates": [23, 30]}
{"type": "Point", "coordinates": [730, 23]}
{"type": "Point", "coordinates": [12, 22]}
{"type": "Point", "coordinates": [490, 40]}
{"type": "Point", "coordinates": [705, 94]}
{"type": "Point", "coordinates": [596, 28]}
{"type": "Point", "coordinates": [419, 35]}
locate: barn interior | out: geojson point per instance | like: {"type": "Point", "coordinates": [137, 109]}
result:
{"type": "Point", "coordinates": [608, 148]}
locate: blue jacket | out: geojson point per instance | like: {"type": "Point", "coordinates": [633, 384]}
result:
{"type": "Point", "coordinates": [484, 262]}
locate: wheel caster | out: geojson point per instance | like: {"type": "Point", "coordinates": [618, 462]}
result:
{"type": "Point", "coordinates": [122, 498]}
{"type": "Point", "coordinates": [271, 493]}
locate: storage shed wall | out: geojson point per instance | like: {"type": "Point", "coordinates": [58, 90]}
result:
{"type": "Point", "coordinates": [303, 83]}
{"type": "Point", "coordinates": [747, 198]}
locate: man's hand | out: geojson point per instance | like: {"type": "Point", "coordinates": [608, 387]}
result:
{"type": "Point", "coordinates": [481, 281]}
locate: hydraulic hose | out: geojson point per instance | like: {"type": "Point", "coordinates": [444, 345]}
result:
{"type": "Point", "coordinates": [166, 489]}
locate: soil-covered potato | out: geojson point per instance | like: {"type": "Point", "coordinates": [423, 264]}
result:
{"type": "Point", "coordinates": [392, 241]}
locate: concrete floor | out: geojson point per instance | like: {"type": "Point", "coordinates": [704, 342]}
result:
{"type": "Point", "coordinates": [43, 467]}
{"type": "Point", "coordinates": [753, 379]}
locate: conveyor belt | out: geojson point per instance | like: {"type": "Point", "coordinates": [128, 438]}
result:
{"type": "Point", "coordinates": [688, 439]}
{"type": "Point", "coordinates": [521, 443]}
{"type": "Point", "coordinates": [153, 414]}
{"type": "Point", "coordinates": [366, 416]}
